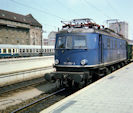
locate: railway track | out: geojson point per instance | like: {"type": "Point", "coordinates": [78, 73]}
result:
{"type": "Point", "coordinates": [20, 85]}
{"type": "Point", "coordinates": [15, 77]}
{"type": "Point", "coordinates": [31, 107]}
{"type": "Point", "coordinates": [3, 75]}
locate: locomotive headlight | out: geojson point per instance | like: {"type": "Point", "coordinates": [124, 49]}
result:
{"type": "Point", "coordinates": [83, 62]}
{"type": "Point", "coordinates": [56, 61]}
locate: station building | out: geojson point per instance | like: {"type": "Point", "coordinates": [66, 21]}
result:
{"type": "Point", "coordinates": [51, 38]}
{"type": "Point", "coordinates": [19, 29]}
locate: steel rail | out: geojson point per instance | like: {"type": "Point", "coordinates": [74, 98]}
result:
{"type": "Point", "coordinates": [2, 88]}
{"type": "Point", "coordinates": [35, 102]}
{"type": "Point", "coordinates": [6, 90]}
{"type": "Point", "coordinates": [24, 71]}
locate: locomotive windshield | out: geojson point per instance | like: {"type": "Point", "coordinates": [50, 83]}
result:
{"type": "Point", "coordinates": [71, 42]}
{"type": "Point", "coordinates": [79, 43]}
{"type": "Point", "coordinates": [60, 43]}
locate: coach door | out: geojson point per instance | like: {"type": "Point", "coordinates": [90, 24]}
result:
{"type": "Point", "coordinates": [100, 49]}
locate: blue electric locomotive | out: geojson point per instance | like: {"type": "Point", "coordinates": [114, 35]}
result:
{"type": "Point", "coordinates": [84, 51]}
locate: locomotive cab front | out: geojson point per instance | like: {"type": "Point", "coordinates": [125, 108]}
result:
{"type": "Point", "coordinates": [75, 55]}
{"type": "Point", "coordinates": [75, 52]}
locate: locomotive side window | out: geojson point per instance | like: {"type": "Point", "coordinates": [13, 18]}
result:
{"type": "Point", "coordinates": [115, 43]}
{"type": "Point", "coordinates": [120, 45]}
{"type": "Point", "coordinates": [108, 43]}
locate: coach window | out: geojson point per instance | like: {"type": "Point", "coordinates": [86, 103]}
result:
{"type": "Point", "coordinates": [33, 50]}
{"type": "Point", "coordinates": [4, 50]}
{"type": "Point", "coordinates": [30, 50]}
{"type": "Point", "coordinates": [20, 50]}
{"type": "Point", "coordinates": [9, 50]}
{"type": "Point", "coordinates": [23, 50]}
{"type": "Point", "coordinates": [27, 50]}
{"type": "Point", "coordinates": [42, 50]}
{"type": "Point", "coordinates": [0, 50]}
{"type": "Point", "coordinates": [37, 50]}
{"type": "Point", "coordinates": [13, 50]}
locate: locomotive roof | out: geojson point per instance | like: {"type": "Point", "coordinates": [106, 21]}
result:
{"type": "Point", "coordinates": [104, 31]}
{"type": "Point", "coordinates": [87, 25]}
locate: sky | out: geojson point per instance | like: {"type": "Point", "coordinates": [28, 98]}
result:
{"type": "Point", "coordinates": [50, 13]}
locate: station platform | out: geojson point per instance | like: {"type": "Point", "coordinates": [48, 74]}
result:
{"type": "Point", "coordinates": [111, 94]}
{"type": "Point", "coordinates": [21, 64]}
{"type": "Point", "coordinates": [23, 69]}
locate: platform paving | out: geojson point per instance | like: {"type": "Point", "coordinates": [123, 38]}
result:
{"type": "Point", "coordinates": [111, 94]}
{"type": "Point", "coordinates": [21, 64]}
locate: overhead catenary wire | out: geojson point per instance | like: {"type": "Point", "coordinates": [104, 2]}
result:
{"type": "Point", "coordinates": [42, 11]}
{"type": "Point", "coordinates": [34, 8]}
{"type": "Point", "coordinates": [112, 8]}
{"type": "Point", "coordinates": [97, 9]}
{"type": "Point", "coordinates": [68, 8]}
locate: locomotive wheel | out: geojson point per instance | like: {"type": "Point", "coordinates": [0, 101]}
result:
{"type": "Point", "coordinates": [94, 77]}
{"type": "Point", "coordinates": [107, 71]}
{"type": "Point", "coordinates": [118, 66]}
{"type": "Point", "coordinates": [61, 83]}
{"type": "Point", "coordinates": [122, 64]}
{"type": "Point", "coordinates": [76, 85]}
{"type": "Point", "coordinates": [70, 83]}
{"type": "Point", "coordinates": [112, 68]}
{"type": "Point", "coordinates": [79, 85]}
{"type": "Point", "coordinates": [87, 81]}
